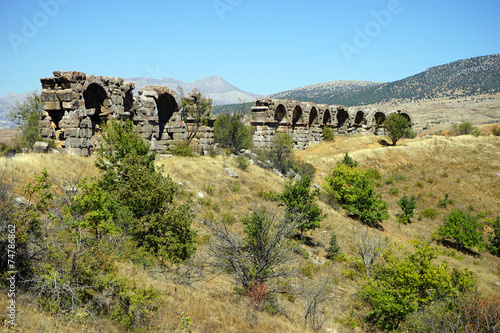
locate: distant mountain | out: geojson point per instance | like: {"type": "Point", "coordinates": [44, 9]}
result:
{"type": "Point", "coordinates": [215, 87]}
{"type": "Point", "coordinates": [461, 78]}
{"type": "Point", "coordinates": [323, 92]}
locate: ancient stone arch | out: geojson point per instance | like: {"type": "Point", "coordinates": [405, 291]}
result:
{"type": "Point", "coordinates": [313, 116]}
{"type": "Point", "coordinates": [305, 121]}
{"type": "Point", "coordinates": [280, 113]}
{"type": "Point", "coordinates": [75, 106]}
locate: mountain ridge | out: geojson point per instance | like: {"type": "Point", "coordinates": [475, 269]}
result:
{"type": "Point", "coordinates": [466, 77]}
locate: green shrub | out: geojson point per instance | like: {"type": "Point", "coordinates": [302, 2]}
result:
{"type": "Point", "coordinates": [394, 191]}
{"type": "Point", "coordinates": [404, 285]}
{"type": "Point", "coordinates": [496, 131]}
{"type": "Point", "coordinates": [355, 192]}
{"type": "Point", "coordinates": [464, 129]}
{"type": "Point", "coordinates": [333, 250]}
{"type": "Point", "coordinates": [230, 131]}
{"type": "Point", "coordinates": [461, 228]}
{"type": "Point", "coordinates": [445, 201]}
{"type": "Point", "coordinates": [347, 160]}
{"type": "Point", "coordinates": [182, 149]}
{"type": "Point", "coordinates": [407, 205]}
{"type": "Point", "coordinates": [131, 178]}
{"type": "Point", "coordinates": [242, 162]}
{"type": "Point", "coordinates": [328, 134]}
{"type": "Point", "coordinates": [301, 204]}
{"type": "Point", "coordinates": [428, 213]}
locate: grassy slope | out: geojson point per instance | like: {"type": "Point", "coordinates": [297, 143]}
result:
{"type": "Point", "coordinates": [464, 167]}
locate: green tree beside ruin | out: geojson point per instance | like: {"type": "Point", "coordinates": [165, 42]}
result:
{"type": "Point", "coordinates": [396, 127]}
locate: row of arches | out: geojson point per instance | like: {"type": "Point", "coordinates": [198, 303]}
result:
{"type": "Point", "coordinates": [309, 114]}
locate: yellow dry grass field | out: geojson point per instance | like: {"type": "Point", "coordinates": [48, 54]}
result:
{"type": "Point", "coordinates": [463, 167]}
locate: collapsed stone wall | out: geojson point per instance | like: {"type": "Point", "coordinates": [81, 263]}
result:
{"type": "Point", "coordinates": [75, 105]}
{"type": "Point", "coordinates": [304, 121]}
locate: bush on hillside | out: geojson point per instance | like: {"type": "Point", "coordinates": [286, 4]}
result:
{"type": "Point", "coordinates": [405, 285]}
{"type": "Point", "coordinates": [301, 204]}
{"type": "Point", "coordinates": [355, 191]}
{"type": "Point", "coordinates": [461, 228]}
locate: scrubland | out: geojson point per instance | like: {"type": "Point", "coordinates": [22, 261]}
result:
{"type": "Point", "coordinates": [466, 168]}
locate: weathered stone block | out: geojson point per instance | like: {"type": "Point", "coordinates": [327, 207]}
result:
{"type": "Point", "coordinates": [51, 105]}
{"type": "Point", "coordinates": [47, 132]}
{"type": "Point", "coordinates": [74, 104]}
{"type": "Point", "coordinates": [48, 96]}
{"type": "Point", "coordinates": [66, 95]}
{"type": "Point", "coordinates": [41, 147]}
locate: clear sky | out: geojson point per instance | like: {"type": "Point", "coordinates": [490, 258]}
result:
{"type": "Point", "coordinates": [259, 46]}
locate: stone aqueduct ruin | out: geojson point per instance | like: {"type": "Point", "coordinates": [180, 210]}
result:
{"type": "Point", "coordinates": [304, 121]}
{"type": "Point", "coordinates": [75, 105]}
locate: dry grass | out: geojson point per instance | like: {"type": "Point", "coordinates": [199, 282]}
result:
{"type": "Point", "coordinates": [462, 166]}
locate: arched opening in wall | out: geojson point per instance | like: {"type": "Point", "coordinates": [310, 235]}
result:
{"type": "Point", "coordinates": [342, 117]}
{"type": "Point", "coordinates": [128, 102]}
{"type": "Point", "coordinates": [360, 117]}
{"type": "Point", "coordinates": [280, 113]}
{"type": "Point", "coordinates": [166, 105]}
{"type": "Point", "coordinates": [95, 97]}
{"type": "Point", "coordinates": [327, 117]}
{"type": "Point", "coordinates": [297, 116]}
{"type": "Point", "coordinates": [313, 116]}
{"type": "Point", "coordinates": [379, 118]}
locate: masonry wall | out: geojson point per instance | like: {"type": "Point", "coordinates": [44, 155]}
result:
{"type": "Point", "coordinates": [76, 105]}
{"type": "Point", "coordinates": [304, 121]}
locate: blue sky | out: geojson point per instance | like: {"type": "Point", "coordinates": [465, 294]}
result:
{"type": "Point", "coordinates": [259, 46]}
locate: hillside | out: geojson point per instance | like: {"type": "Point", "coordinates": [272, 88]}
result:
{"type": "Point", "coordinates": [464, 167]}
{"type": "Point", "coordinates": [320, 92]}
{"type": "Point", "coordinates": [463, 78]}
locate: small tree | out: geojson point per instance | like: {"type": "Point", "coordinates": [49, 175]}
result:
{"type": "Point", "coordinates": [260, 255]}
{"type": "Point", "coordinates": [27, 116]}
{"type": "Point", "coordinates": [396, 126]}
{"type": "Point", "coordinates": [196, 111]}
{"type": "Point", "coordinates": [230, 131]}
{"type": "Point", "coordinates": [347, 160]}
{"type": "Point", "coordinates": [93, 208]}
{"type": "Point", "coordinates": [370, 245]}
{"type": "Point", "coordinates": [130, 176]}
{"type": "Point", "coordinates": [301, 204]}
{"type": "Point", "coordinates": [333, 250]}
{"type": "Point", "coordinates": [462, 228]}
{"type": "Point", "coordinates": [408, 206]}
{"type": "Point", "coordinates": [281, 151]}
{"type": "Point", "coordinates": [355, 191]}
{"type": "Point", "coordinates": [328, 134]}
